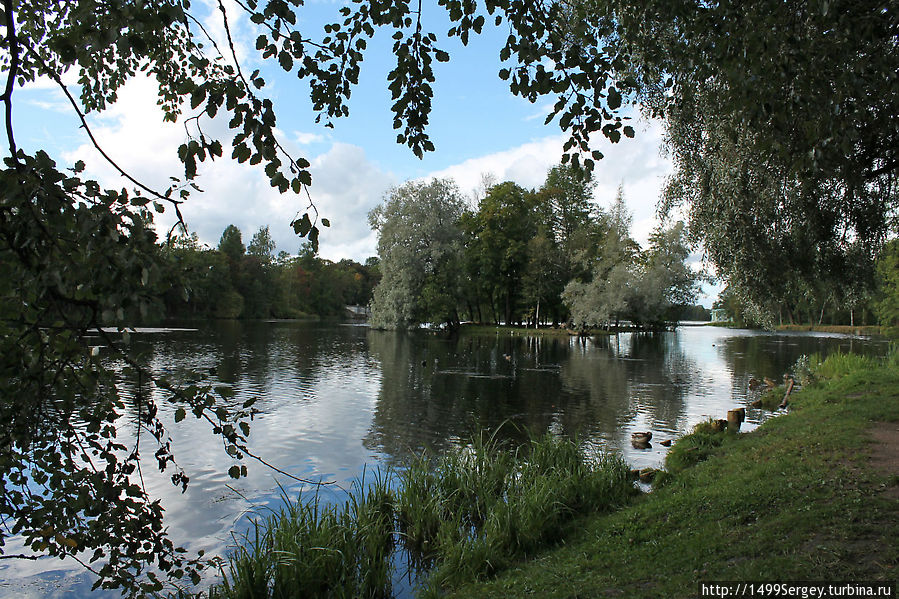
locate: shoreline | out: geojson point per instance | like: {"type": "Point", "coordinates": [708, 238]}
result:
{"type": "Point", "coordinates": [809, 495]}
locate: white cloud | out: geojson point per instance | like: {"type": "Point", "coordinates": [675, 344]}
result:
{"type": "Point", "coordinates": [526, 165]}
{"type": "Point", "coordinates": [305, 139]}
{"type": "Point", "coordinates": [43, 82]}
{"type": "Point", "coordinates": [55, 103]}
{"type": "Point", "coordinates": [238, 26]}
{"type": "Point", "coordinates": [346, 185]}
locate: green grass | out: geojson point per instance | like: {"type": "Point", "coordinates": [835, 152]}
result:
{"type": "Point", "coordinates": [311, 549]}
{"type": "Point", "coordinates": [476, 510]}
{"type": "Point", "coordinates": [461, 516]}
{"type": "Point", "coordinates": [794, 500]}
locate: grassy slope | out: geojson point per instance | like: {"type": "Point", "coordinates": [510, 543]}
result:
{"type": "Point", "coordinates": [795, 500]}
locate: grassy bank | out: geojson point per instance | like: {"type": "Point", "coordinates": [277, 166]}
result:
{"type": "Point", "coordinates": [812, 495]}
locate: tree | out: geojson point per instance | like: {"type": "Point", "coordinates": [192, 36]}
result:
{"type": "Point", "coordinates": [568, 192]}
{"type": "Point", "coordinates": [567, 215]}
{"type": "Point", "coordinates": [603, 300]}
{"type": "Point", "coordinates": [543, 278]}
{"type": "Point", "coordinates": [606, 256]}
{"type": "Point", "coordinates": [665, 281]}
{"type": "Point", "coordinates": [779, 120]}
{"type": "Point", "coordinates": [262, 246]}
{"type": "Point", "coordinates": [198, 280]}
{"type": "Point", "coordinates": [627, 283]}
{"type": "Point", "coordinates": [231, 244]}
{"type": "Point", "coordinates": [888, 277]}
{"type": "Point", "coordinates": [503, 225]}
{"type": "Point", "coordinates": [419, 246]}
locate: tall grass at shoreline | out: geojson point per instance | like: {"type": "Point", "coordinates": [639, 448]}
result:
{"type": "Point", "coordinates": [312, 549]}
{"type": "Point", "coordinates": [481, 507]}
{"type": "Point", "coordinates": [456, 517]}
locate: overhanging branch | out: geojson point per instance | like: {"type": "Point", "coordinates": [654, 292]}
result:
{"type": "Point", "coordinates": [13, 45]}
{"type": "Point", "coordinates": [58, 80]}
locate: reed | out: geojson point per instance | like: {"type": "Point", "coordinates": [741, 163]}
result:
{"type": "Point", "coordinates": [312, 549]}
{"type": "Point", "coordinates": [461, 516]}
{"type": "Point", "coordinates": [483, 506]}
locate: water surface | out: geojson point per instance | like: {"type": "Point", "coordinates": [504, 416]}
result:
{"type": "Point", "coordinates": [340, 400]}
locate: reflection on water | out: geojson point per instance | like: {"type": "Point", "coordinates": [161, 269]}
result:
{"type": "Point", "coordinates": [339, 399]}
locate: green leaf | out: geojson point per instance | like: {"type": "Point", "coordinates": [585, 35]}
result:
{"type": "Point", "coordinates": [286, 60]}
{"type": "Point", "coordinates": [613, 99]}
{"type": "Point", "coordinates": [301, 226]}
{"type": "Point", "coordinates": [180, 414]}
{"type": "Point", "coordinates": [234, 471]}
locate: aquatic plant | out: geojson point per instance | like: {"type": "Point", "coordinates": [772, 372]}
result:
{"type": "Point", "coordinates": [481, 506]}
{"type": "Point", "coordinates": [312, 549]}
{"type": "Point", "coordinates": [460, 516]}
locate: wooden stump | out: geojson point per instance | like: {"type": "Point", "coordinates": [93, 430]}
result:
{"type": "Point", "coordinates": [735, 419]}
{"type": "Point", "coordinates": [647, 475]}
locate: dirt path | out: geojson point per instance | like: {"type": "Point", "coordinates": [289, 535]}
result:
{"type": "Point", "coordinates": [885, 452]}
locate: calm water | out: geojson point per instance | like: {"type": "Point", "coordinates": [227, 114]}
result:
{"type": "Point", "coordinates": [338, 399]}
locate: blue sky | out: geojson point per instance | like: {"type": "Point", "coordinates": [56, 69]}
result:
{"type": "Point", "coordinates": [476, 124]}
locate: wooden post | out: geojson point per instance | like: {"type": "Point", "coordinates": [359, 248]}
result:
{"type": "Point", "coordinates": [734, 419]}
{"type": "Point", "coordinates": [783, 404]}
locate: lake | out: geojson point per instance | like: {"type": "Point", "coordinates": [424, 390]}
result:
{"type": "Point", "coordinates": [340, 400]}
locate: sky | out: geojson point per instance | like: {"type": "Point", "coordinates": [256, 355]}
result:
{"type": "Point", "coordinates": [476, 124]}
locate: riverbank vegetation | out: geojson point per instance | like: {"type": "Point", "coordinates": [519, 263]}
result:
{"type": "Point", "coordinates": [797, 499]}
{"type": "Point", "coordinates": [808, 496]}
{"type": "Point", "coordinates": [460, 516]}
{"type": "Point", "coordinates": [524, 257]}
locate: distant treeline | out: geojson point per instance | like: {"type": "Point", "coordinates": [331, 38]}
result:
{"type": "Point", "coordinates": [695, 313]}
{"type": "Point", "coordinates": [237, 281]}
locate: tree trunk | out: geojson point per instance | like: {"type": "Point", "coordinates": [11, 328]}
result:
{"type": "Point", "coordinates": [537, 319]}
{"type": "Point", "coordinates": [493, 309]}
{"type": "Point", "coordinates": [508, 309]}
